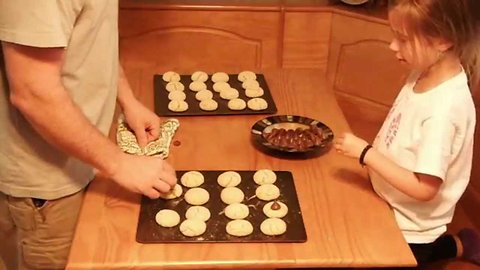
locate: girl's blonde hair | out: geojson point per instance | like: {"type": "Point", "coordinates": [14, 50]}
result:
{"type": "Point", "coordinates": [456, 21]}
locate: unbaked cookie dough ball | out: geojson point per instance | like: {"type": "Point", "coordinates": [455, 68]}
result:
{"type": "Point", "coordinates": [239, 227]}
{"type": "Point", "coordinates": [220, 86]}
{"type": "Point", "coordinates": [231, 195]}
{"type": "Point", "coordinates": [253, 84]}
{"type": "Point", "coordinates": [254, 92]}
{"type": "Point", "coordinates": [174, 86]}
{"type": "Point", "coordinates": [273, 226]}
{"type": "Point", "coordinates": [203, 95]}
{"type": "Point", "coordinates": [193, 227]}
{"type": "Point", "coordinates": [199, 76]}
{"type": "Point", "coordinates": [264, 176]}
{"type": "Point", "coordinates": [257, 104]}
{"type": "Point", "coordinates": [197, 196]}
{"type": "Point", "coordinates": [192, 179]}
{"type": "Point", "coordinates": [237, 104]}
{"type": "Point", "coordinates": [220, 77]}
{"type": "Point", "coordinates": [167, 218]}
{"type": "Point", "coordinates": [230, 93]}
{"type": "Point", "coordinates": [178, 106]}
{"type": "Point", "coordinates": [237, 211]}
{"type": "Point", "coordinates": [198, 212]}
{"type": "Point", "coordinates": [245, 75]}
{"type": "Point", "coordinates": [267, 192]}
{"type": "Point", "coordinates": [174, 193]}
{"type": "Point", "coordinates": [177, 95]}
{"type": "Point", "coordinates": [171, 76]}
{"type": "Point", "coordinates": [229, 179]}
{"type": "Point", "coordinates": [208, 105]}
{"type": "Point", "coordinates": [275, 209]}
{"type": "Point", "coordinates": [197, 86]}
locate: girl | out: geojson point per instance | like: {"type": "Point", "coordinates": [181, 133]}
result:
{"type": "Point", "coordinates": [421, 159]}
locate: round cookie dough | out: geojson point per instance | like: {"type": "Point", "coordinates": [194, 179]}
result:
{"type": "Point", "coordinates": [199, 76]}
{"type": "Point", "coordinates": [198, 212]}
{"type": "Point", "coordinates": [257, 104]}
{"type": "Point", "coordinates": [203, 95]}
{"type": "Point", "coordinates": [230, 93]}
{"type": "Point", "coordinates": [273, 226]}
{"type": "Point", "coordinates": [174, 86]}
{"type": "Point", "coordinates": [267, 192]}
{"type": "Point", "coordinates": [208, 105]}
{"type": "Point", "coordinates": [220, 77]}
{"type": "Point", "coordinates": [264, 176]}
{"type": "Point", "coordinates": [193, 227]}
{"type": "Point", "coordinates": [245, 75]}
{"type": "Point", "coordinates": [237, 104]}
{"type": "Point", "coordinates": [250, 84]}
{"type": "Point", "coordinates": [167, 218]}
{"type": "Point", "coordinates": [171, 76]}
{"type": "Point", "coordinates": [178, 106]}
{"type": "Point", "coordinates": [177, 95]}
{"type": "Point", "coordinates": [231, 195]}
{"type": "Point", "coordinates": [254, 92]}
{"type": "Point", "coordinates": [239, 227]}
{"type": "Point", "coordinates": [197, 196]}
{"type": "Point", "coordinates": [192, 179]}
{"type": "Point", "coordinates": [237, 211]}
{"type": "Point", "coordinates": [275, 209]}
{"type": "Point", "coordinates": [221, 86]}
{"type": "Point", "coordinates": [197, 86]}
{"type": "Point", "coordinates": [174, 193]}
{"type": "Point", "coordinates": [229, 179]}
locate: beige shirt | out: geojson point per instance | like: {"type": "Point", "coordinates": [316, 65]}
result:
{"type": "Point", "coordinates": [88, 30]}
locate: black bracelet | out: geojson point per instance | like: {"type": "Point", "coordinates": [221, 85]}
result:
{"type": "Point", "coordinates": [362, 155]}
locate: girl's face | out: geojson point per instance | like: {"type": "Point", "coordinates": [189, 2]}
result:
{"type": "Point", "coordinates": [419, 54]}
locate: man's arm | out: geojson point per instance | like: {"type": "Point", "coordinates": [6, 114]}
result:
{"type": "Point", "coordinates": [36, 90]}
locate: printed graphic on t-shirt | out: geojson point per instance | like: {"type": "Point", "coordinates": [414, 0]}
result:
{"type": "Point", "coordinates": [392, 130]}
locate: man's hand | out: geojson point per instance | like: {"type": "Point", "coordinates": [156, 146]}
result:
{"type": "Point", "coordinates": [144, 123]}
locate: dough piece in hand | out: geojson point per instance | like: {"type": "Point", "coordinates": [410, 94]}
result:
{"type": "Point", "coordinates": [229, 179]}
{"type": "Point", "coordinates": [257, 104]}
{"type": "Point", "coordinates": [239, 227]}
{"type": "Point", "coordinates": [171, 76]}
{"type": "Point", "coordinates": [192, 179]}
{"type": "Point", "coordinates": [174, 86]}
{"type": "Point", "coordinates": [178, 106]}
{"type": "Point", "coordinates": [199, 76]}
{"type": "Point", "coordinates": [237, 104]}
{"type": "Point", "coordinates": [197, 86]}
{"type": "Point", "coordinates": [273, 226]}
{"type": "Point", "coordinates": [221, 86]}
{"type": "Point", "coordinates": [275, 209]}
{"type": "Point", "coordinates": [267, 192]}
{"type": "Point", "coordinates": [177, 95]}
{"type": "Point", "coordinates": [197, 196]}
{"type": "Point", "coordinates": [174, 193]}
{"type": "Point", "coordinates": [220, 77]}
{"type": "Point", "coordinates": [203, 95]}
{"type": "Point", "coordinates": [193, 227]}
{"type": "Point", "coordinates": [167, 218]}
{"type": "Point", "coordinates": [254, 92]}
{"type": "Point", "coordinates": [229, 94]}
{"type": "Point", "coordinates": [264, 176]}
{"type": "Point", "coordinates": [208, 105]}
{"type": "Point", "coordinates": [231, 195]}
{"type": "Point", "coordinates": [250, 84]}
{"type": "Point", "coordinates": [198, 212]}
{"type": "Point", "coordinates": [245, 75]}
{"type": "Point", "coordinates": [237, 211]}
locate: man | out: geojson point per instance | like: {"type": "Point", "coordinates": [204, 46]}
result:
{"type": "Point", "coordinates": [59, 81]}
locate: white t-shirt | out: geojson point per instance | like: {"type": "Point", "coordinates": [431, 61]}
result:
{"type": "Point", "coordinates": [429, 133]}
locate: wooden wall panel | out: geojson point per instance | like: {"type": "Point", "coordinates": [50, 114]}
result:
{"type": "Point", "coordinates": [306, 39]}
{"type": "Point", "coordinates": [189, 40]}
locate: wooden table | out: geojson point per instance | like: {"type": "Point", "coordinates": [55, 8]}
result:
{"type": "Point", "coordinates": [347, 224]}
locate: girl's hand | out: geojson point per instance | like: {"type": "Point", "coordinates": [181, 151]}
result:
{"type": "Point", "coordinates": [350, 145]}
{"type": "Point", "coordinates": [144, 123]}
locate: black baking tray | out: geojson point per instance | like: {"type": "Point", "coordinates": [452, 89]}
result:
{"type": "Point", "coordinates": [161, 98]}
{"type": "Point", "coordinates": [148, 231]}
